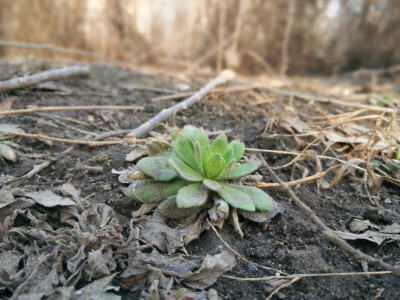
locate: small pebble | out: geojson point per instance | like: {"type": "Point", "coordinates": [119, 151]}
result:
{"type": "Point", "coordinates": [387, 201]}
{"type": "Point", "coordinates": [252, 268]}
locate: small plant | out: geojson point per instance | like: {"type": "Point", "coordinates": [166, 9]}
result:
{"type": "Point", "coordinates": [187, 173]}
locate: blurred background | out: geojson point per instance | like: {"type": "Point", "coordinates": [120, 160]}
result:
{"type": "Point", "coordinates": [314, 37]}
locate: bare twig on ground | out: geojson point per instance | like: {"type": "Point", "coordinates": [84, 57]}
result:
{"type": "Point", "coordinates": [292, 183]}
{"type": "Point", "coordinates": [297, 277]}
{"type": "Point", "coordinates": [35, 109]}
{"type": "Point", "coordinates": [162, 116]}
{"type": "Point", "coordinates": [285, 285]}
{"type": "Point", "coordinates": [65, 141]}
{"type": "Point", "coordinates": [376, 72]}
{"type": "Point", "coordinates": [51, 48]}
{"type": "Point", "coordinates": [329, 233]}
{"type": "Point", "coordinates": [238, 254]}
{"type": "Point", "coordinates": [268, 278]}
{"type": "Point", "coordinates": [56, 74]}
{"type": "Point", "coordinates": [229, 89]}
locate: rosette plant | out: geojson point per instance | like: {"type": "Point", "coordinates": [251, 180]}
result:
{"type": "Point", "coordinates": [187, 173]}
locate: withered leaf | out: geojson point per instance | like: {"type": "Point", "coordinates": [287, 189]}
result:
{"type": "Point", "coordinates": [50, 199]}
{"type": "Point", "coordinates": [211, 269]}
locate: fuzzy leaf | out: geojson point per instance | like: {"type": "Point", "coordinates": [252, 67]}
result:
{"type": "Point", "coordinates": [153, 191]}
{"type": "Point", "coordinates": [193, 195]}
{"type": "Point", "coordinates": [190, 132]}
{"type": "Point", "coordinates": [228, 155]}
{"type": "Point", "coordinates": [202, 137]}
{"type": "Point", "coordinates": [227, 168]}
{"type": "Point", "coordinates": [219, 144]}
{"type": "Point", "coordinates": [157, 168]}
{"type": "Point", "coordinates": [242, 170]}
{"type": "Point", "coordinates": [185, 171]}
{"type": "Point", "coordinates": [214, 165]}
{"type": "Point", "coordinates": [235, 197]}
{"type": "Point", "coordinates": [206, 153]}
{"type": "Point", "coordinates": [168, 208]}
{"type": "Point", "coordinates": [262, 201]}
{"type": "Point", "coordinates": [175, 134]}
{"type": "Point", "coordinates": [184, 148]}
{"type": "Point", "coordinates": [238, 149]}
{"type": "Point", "coordinates": [212, 184]}
{"type": "Point", "coordinates": [198, 157]}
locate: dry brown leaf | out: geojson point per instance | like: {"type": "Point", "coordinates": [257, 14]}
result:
{"type": "Point", "coordinates": [6, 105]}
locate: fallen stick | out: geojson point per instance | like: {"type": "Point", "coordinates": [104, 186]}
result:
{"type": "Point", "coordinates": [238, 88]}
{"type": "Point", "coordinates": [34, 79]}
{"type": "Point", "coordinates": [50, 47]}
{"type": "Point", "coordinates": [292, 183]}
{"type": "Point", "coordinates": [65, 141]}
{"type": "Point", "coordinates": [329, 234]}
{"type": "Point", "coordinates": [35, 109]}
{"type": "Point", "coordinates": [163, 115]}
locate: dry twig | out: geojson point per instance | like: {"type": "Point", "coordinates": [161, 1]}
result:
{"type": "Point", "coordinates": [56, 74]}
{"type": "Point", "coordinates": [292, 183]}
{"type": "Point", "coordinates": [238, 254]}
{"type": "Point", "coordinates": [35, 109]}
{"type": "Point", "coordinates": [146, 127]}
{"type": "Point", "coordinates": [65, 141]}
{"type": "Point", "coordinates": [51, 48]}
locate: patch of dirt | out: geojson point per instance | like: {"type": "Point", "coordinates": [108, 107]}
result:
{"type": "Point", "coordinates": [290, 242]}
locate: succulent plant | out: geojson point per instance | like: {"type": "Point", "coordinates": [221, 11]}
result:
{"type": "Point", "coordinates": [187, 173]}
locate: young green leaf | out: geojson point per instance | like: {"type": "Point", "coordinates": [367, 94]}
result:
{"type": "Point", "coordinates": [202, 137]}
{"type": "Point", "coordinates": [235, 197]}
{"type": "Point", "coordinates": [242, 170]}
{"type": "Point", "coordinates": [227, 168]}
{"type": "Point", "coordinates": [198, 157]}
{"type": "Point", "coordinates": [184, 148]}
{"type": "Point", "coordinates": [262, 201]}
{"type": "Point", "coordinates": [193, 195]}
{"type": "Point", "coordinates": [175, 134]}
{"type": "Point", "coordinates": [214, 165]}
{"type": "Point", "coordinates": [219, 144]}
{"type": "Point", "coordinates": [238, 149]}
{"type": "Point", "coordinates": [153, 191]}
{"type": "Point", "coordinates": [157, 168]}
{"type": "Point", "coordinates": [185, 171]}
{"type": "Point", "coordinates": [228, 155]}
{"type": "Point", "coordinates": [190, 132]}
{"type": "Point", "coordinates": [212, 184]}
{"type": "Point", "coordinates": [168, 208]}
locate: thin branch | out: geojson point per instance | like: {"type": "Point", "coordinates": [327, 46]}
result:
{"type": "Point", "coordinates": [65, 141]}
{"type": "Point", "coordinates": [56, 74]}
{"type": "Point", "coordinates": [51, 48]}
{"type": "Point", "coordinates": [229, 89]}
{"type": "Point", "coordinates": [163, 115]}
{"type": "Point", "coordinates": [35, 109]}
{"type": "Point", "coordinates": [238, 254]}
{"type": "Point", "coordinates": [292, 183]}
{"type": "Point", "coordinates": [329, 233]}
{"type": "Point", "coordinates": [268, 278]}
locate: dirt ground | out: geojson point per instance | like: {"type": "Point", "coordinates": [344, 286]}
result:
{"type": "Point", "coordinates": [289, 242]}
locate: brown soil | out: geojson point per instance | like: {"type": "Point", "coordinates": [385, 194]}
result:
{"type": "Point", "coordinates": [291, 242]}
